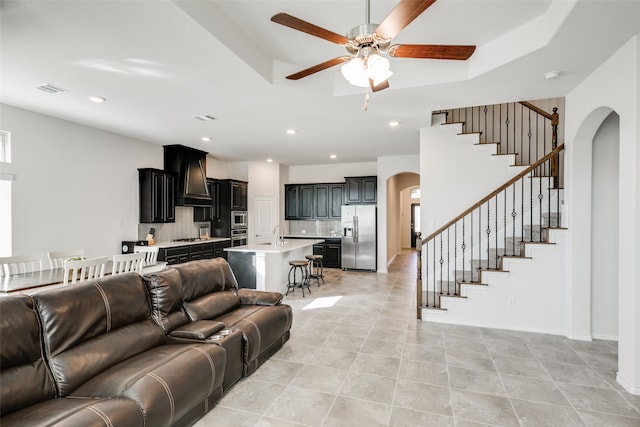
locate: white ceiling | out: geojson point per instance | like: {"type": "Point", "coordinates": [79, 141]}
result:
{"type": "Point", "coordinates": [159, 63]}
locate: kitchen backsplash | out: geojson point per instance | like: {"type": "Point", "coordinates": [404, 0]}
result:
{"type": "Point", "coordinates": [315, 228]}
{"type": "Point", "coordinates": [183, 227]}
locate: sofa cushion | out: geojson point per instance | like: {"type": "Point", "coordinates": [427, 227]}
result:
{"type": "Point", "coordinates": [210, 306]}
{"type": "Point", "coordinates": [24, 376]}
{"type": "Point", "coordinates": [165, 293]}
{"type": "Point", "coordinates": [206, 276]}
{"type": "Point", "coordinates": [263, 327]}
{"type": "Point", "coordinates": [89, 327]}
{"type": "Point", "coordinates": [166, 381]}
{"type": "Point", "coordinates": [78, 412]}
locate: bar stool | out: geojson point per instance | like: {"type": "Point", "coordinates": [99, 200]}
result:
{"type": "Point", "coordinates": [304, 276]}
{"type": "Point", "coordinates": [315, 261]}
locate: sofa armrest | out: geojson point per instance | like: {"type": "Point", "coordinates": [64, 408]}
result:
{"type": "Point", "coordinates": [253, 297]}
{"type": "Point", "coordinates": [198, 330]}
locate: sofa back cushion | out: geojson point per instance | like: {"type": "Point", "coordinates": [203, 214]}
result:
{"type": "Point", "coordinates": [165, 293]}
{"type": "Point", "coordinates": [88, 328]}
{"type": "Point", "coordinates": [24, 376]}
{"type": "Point", "coordinates": [208, 288]}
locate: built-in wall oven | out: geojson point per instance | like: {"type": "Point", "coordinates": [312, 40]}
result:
{"type": "Point", "coordinates": [238, 237]}
{"type": "Point", "coordinates": [239, 219]}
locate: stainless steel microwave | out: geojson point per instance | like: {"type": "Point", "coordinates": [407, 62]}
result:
{"type": "Point", "coordinates": [238, 219]}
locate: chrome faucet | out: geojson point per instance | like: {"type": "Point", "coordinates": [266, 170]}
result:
{"type": "Point", "coordinates": [278, 236]}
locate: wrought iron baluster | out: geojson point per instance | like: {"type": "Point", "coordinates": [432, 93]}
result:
{"type": "Point", "coordinates": [448, 260]}
{"type": "Point", "coordinates": [513, 221]}
{"type": "Point", "coordinates": [488, 231]}
{"type": "Point", "coordinates": [455, 257]}
{"type": "Point", "coordinates": [441, 262]}
{"type": "Point", "coordinates": [506, 131]}
{"type": "Point", "coordinates": [464, 245]}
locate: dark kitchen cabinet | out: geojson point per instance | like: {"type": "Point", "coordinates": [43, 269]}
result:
{"type": "Point", "coordinates": [336, 200]}
{"type": "Point", "coordinates": [209, 213]}
{"type": "Point", "coordinates": [174, 255]}
{"type": "Point", "coordinates": [313, 201]}
{"type": "Point", "coordinates": [331, 251]}
{"type": "Point", "coordinates": [238, 196]}
{"type": "Point", "coordinates": [219, 251]}
{"type": "Point", "coordinates": [306, 201]}
{"type": "Point", "coordinates": [361, 190]}
{"type": "Point", "coordinates": [157, 196]}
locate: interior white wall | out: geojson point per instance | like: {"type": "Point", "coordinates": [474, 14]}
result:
{"type": "Point", "coordinates": [264, 179]}
{"type": "Point", "coordinates": [604, 230]}
{"type": "Point", "coordinates": [389, 166]}
{"type": "Point", "coordinates": [612, 87]}
{"type": "Point", "coordinates": [454, 177]}
{"type": "Point", "coordinates": [330, 172]}
{"type": "Point", "coordinates": [75, 186]}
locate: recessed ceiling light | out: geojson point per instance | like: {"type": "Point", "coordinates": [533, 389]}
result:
{"type": "Point", "coordinates": [394, 123]}
{"type": "Point", "coordinates": [551, 74]}
{"type": "Point", "coordinates": [269, 160]}
{"type": "Point", "coordinates": [97, 99]}
{"type": "Point", "coordinates": [292, 131]}
{"type": "Point", "coordinates": [205, 139]}
{"type": "Point", "coordinates": [333, 156]}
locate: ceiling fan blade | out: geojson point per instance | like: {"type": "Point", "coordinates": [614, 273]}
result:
{"type": "Point", "coordinates": [431, 51]}
{"type": "Point", "coordinates": [401, 16]}
{"type": "Point", "coordinates": [306, 27]}
{"type": "Point", "coordinates": [319, 67]}
{"type": "Point", "coordinates": [380, 86]}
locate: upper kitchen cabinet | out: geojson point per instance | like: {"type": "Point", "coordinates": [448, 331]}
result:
{"type": "Point", "coordinates": [238, 196]}
{"type": "Point", "coordinates": [291, 202]}
{"type": "Point", "coordinates": [361, 190]}
{"type": "Point", "coordinates": [313, 201]}
{"type": "Point", "coordinates": [299, 201]}
{"type": "Point", "coordinates": [211, 212]}
{"type": "Point", "coordinates": [157, 196]}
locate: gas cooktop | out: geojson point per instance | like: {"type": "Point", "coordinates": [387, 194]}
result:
{"type": "Point", "coordinates": [188, 239]}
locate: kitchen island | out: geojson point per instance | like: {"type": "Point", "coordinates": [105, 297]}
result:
{"type": "Point", "coordinates": [265, 267]}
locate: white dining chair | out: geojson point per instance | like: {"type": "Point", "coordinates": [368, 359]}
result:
{"type": "Point", "coordinates": [126, 263]}
{"type": "Point", "coordinates": [57, 258]}
{"type": "Point", "coordinates": [20, 264]}
{"type": "Point", "coordinates": [151, 254]}
{"type": "Point", "coordinates": [83, 269]}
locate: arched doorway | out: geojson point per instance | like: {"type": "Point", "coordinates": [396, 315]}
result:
{"type": "Point", "coordinates": [399, 210]}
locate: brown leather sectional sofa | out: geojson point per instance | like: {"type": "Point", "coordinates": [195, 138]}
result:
{"type": "Point", "coordinates": [128, 350]}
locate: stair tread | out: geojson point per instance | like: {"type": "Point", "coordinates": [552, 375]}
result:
{"type": "Point", "coordinates": [470, 133]}
{"type": "Point", "coordinates": [486, 143]}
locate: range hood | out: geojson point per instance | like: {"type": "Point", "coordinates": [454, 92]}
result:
{"type": "Point", "coordinates": [189, 167]}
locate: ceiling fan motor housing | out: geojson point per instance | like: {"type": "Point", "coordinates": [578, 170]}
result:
{"type": "Point", "coordinates": [364, 36]}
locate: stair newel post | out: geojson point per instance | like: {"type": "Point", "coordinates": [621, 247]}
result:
{"type": "Point", "coordinates": [555, 161]}
{"type": "Point", "coordinates": [419, 276]}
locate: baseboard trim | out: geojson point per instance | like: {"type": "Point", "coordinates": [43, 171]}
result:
{"type": "Point", "coordinates": [493, 326]}
{"type": "Point", "coordinates": [633, 389]}
{"type": "Point", "coordinates": [605, 337]}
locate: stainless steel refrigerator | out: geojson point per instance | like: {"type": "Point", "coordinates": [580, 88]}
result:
{"type": "Point", "coordinates": [359, 233]}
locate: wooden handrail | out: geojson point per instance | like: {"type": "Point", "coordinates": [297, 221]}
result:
{"type": "Point", "coordinates": [537, 109]}
{"type": "Point", "coordinates": [531, 167]}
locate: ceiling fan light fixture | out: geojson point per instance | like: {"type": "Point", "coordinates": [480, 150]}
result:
{"type": "Point", "coordinates": [378, 68]}
{"type": "Point", "coordinates": [355, 72]}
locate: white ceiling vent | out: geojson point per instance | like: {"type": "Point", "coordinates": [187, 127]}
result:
{"type": "Point", "coordinates": [49, 88]}
{"type": "Point", "coordinates": [205, 118]}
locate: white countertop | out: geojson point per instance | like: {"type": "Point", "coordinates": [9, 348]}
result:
{"type": "Point", "coordinates": [195, 242]}
{"type": "Point", "coordinates": [289, 245]}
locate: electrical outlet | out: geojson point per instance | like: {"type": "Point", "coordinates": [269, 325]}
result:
{"type": "Point", "coordinates": [511, 302]}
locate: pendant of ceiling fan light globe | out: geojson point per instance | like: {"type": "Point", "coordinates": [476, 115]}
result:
{"type": "Point", "coordinates": [355, 72]}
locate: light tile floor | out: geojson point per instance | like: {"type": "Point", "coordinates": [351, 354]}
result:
{"type": "Point", "coordinates": [358, 357]}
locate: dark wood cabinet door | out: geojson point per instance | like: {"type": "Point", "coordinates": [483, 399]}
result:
{"type": "Point", "coordinates": [336, 200]}
{"type": "Point", "coordinates": [321, 202]}
{"type": "Point", "coordinates": [353, 189]}
{"type": "Point", "coordinates": [306, 201]}
{"type": "Point", "coordinates": [157, 196]}
{"type": "Point", "coordinates": [333, 255]}
{"type": "Point", "coordinates": [370, 190]}
{"type": "Point", "coordinates": [238, 196]}
{"type": "Point", "coordinates": [292, 202]}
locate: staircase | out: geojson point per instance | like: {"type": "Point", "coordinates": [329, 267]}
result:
{"type": "Point", "coordinates": [499, 263]}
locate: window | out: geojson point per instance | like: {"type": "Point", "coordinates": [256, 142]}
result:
{"type": "Point", "coordinates": [415, 193]}
{"type": "Point", "coordinates": [5, 195]}
{"type": "Point", "coordinates": [5, 146]}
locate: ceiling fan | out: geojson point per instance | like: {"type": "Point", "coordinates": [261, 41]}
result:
{"type": "Point", "coordinates": [364, 66]}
